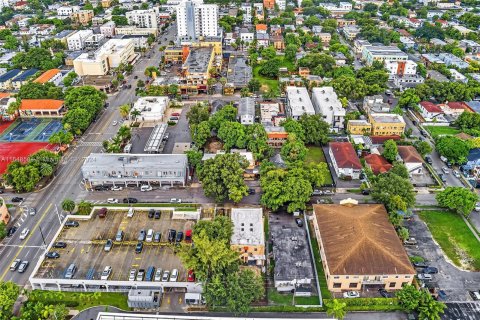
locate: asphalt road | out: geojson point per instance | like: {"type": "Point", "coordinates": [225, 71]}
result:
{"type": "Point", "coordinates": [68, 180]}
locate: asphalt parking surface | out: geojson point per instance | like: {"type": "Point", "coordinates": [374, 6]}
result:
{"type": "Point", "coordinates": [455, 282]}
{"type": "Point", "coordinates": [85, 246]}
{"type": "Point", "coordinates": [462, 311]}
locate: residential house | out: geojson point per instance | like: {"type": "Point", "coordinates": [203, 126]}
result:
{"type": "Point", "coordinates": [246, 111]}
{"type": "Point", "coordinates": [359, 45]}
{"type": "Point", "coordinates": [248, 238]}
{"type": "Point", "coordinates": [247, 12]}
{"type": "Point", "coordinates": [6, 79]}
{"type": "Point", "coordinates": [359, 248]}
{"type": "Point", "coordinates": [326, 103]}
{"type": "Point", "coordinates": [276, 136]}
{"type": "Point", "coordinates": [437, 76]}
{"type": "Point", "coordinates": [452, 60]}
{"type": "Point", "coordinates": [375, 104]}
{"type": "Point", "coordinates": [41, 108]}
{"type": "Point", "coordinates": [377, 163]}
{"type": "Point", "coordinates": [457, 76]}
{"type": "Point", "coordinates": [298, 102]}
{"type": "Point", "coordinates": [82, 17]}
{"type": "Point", "coordinates": [407, 42]}
{"type": "Point", "coordinates": [263, 40]}
{"type": "Point", "coordinates": [463, 30]}
{"type": "Point", "coordinates": [359, 127]}
{"type": "Point", "coordinates": [53, 75]}
{"type": "Point", "coordinates": [269, 4]}
{"type": "Point", "coordinates": [455, 109]}
{"type": "Point", "coordinates": [261, 28]}
{"type": "Point", "coordinates": [23, 78]}
{"type": "Point", "coordinates": [407, 81]}
{"type": "Point", "coordinates": [345, 160]}
{"type": "Point", "coordinates": [247, 37]}
{"type": "Point", "coordinates": [429, 110]}
{"type": "Point", "coordinates": [239, 72]}
{"type": "Point", "coordinates": [411, 158]}
{"type": "Point", "coordinates": [271, 113]}
{"type": "Point", "coordinates": [386, 124]}
{"type": "Point", "coordinates": [469, 46]}
{"type": "Point", "coordinates": [325, 37]}
{"type": "Point", "coordinates": [67, 10]}
{"type": "Point", "coordinates": [351, 32]}
{"type": "Point", "coordinates": [277, 42]}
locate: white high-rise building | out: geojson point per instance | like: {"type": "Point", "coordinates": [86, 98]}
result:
{"type": "Point", "coordinates": [247, 12]}
{"type": "Point", "coordinates": [143, 18]}
{"type": "Point", "coordinates": [195, 19]}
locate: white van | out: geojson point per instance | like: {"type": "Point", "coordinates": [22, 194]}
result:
{"type": "Point", "coordinates": [149, 237]}
{"type": "Point", "coordinates": [130, 212]}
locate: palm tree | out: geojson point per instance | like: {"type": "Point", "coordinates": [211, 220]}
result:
{"type": "Point", "coordinates": [84, 207]}
{"type": "Point", "coordinates": [124, 110]}
{"type": "Point", "coordinates": [135, 113]}
{"type": "Point", "coordinates": [124, 132]}
{"type": "Point", "coordinates": [336, 309]}
{"type": "Point", "coordinates": [68, 205]}
{"type": "Point", "coordinates": [46, 170]}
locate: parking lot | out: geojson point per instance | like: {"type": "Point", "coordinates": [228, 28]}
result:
{"type": "Point", "coordinates": [85, 246]}
{"type": "Point", "coordinates": [455, 282]}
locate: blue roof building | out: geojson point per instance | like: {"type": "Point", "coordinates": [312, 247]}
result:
{"type": "Point", "coordinates": [25, 75]}
{"type": "Point", "coordinates": [9, 75]}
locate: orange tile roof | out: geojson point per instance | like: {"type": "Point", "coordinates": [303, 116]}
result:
{"type": "Point", "coordinates": [4, 95]}
{"type": "Point", "coordinates": [47, 75]}
{"type": "Point", "coordinates": [283, 135]}
{"type": "Point", "coordinates": [261, 27]}
{"type": "Point", "coordinates": [41, 104]}
{"type": "Point", "coordinates": [377, 163]}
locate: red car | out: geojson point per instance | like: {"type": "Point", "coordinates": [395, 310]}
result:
{"type": "Point", "coordinates": [176, 114]}
{"type": "Point", "coordinates": [191, 276]}
{"type": "Point", "coordinates": [188, 236]}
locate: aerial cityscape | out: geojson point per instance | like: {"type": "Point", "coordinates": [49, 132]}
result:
{"type": "Point", "coordinates": [213, 159]}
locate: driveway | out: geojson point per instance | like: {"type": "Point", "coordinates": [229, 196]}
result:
{"type": "Point", "coordinates": [455, 282]}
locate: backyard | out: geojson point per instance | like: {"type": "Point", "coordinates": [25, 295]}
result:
{"type": "Point", "coordinates": [315, 155]}
{"type": "Point", "coordinates": [454, 237]}
{"type": "Point", "coordinates": [441, 130]}
{"type": "Point", "coordinates": [267, 83]}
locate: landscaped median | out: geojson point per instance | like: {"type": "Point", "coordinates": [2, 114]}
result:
{"type": "Point", "coordinates": [357, 304]}
{"type": "Point", "coordinates": [454, 237]}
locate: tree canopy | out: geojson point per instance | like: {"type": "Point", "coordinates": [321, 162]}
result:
{"type": "Point", "coordinates": [460, 199]}
{"type": "Point", "coordinates": [454, 149]}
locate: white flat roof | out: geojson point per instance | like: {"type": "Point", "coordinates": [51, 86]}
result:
{"type": "Point", "coordinates": [299, 101]}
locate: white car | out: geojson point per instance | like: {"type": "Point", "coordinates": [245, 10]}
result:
{"type": "Point", "coordinates": [425, 276]}
{"type": "Point", "coordinates": [149, 237]}
{"type": "Point", "coordinates": [175, 200]}
{"type": "Point", "coordinates": [106, 273]}
{"type": "Point", "coordinates": [112, 200]}
{"type": "Point", "coordinates": [32, 211]}
{"type": "Point", "coordinates": [174, 275]}
{"type": "Point", "coordinates": [351, 294]}
{"type": "Point", "coordinates": [456, 174]}
{"type": "Point", "coordinates": [24, 233]}
{"type": "Point", "coordinates": [133, 273]}
{"type": "Point", "coordinates": [158, 275]}
{"type": "Point", "coordinates": [445, 170]}
{"type": "Point", "coordinates": [114, 123]}
{"type": "Point", "coordinates": [117, 188]}
{"type": "Point", "coordinates": [130, 213]}
{"type": "Point", "coordinates": [146, 188]}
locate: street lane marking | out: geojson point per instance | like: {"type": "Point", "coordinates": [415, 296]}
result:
{"type": "Point", "coordinates": [26, 241]}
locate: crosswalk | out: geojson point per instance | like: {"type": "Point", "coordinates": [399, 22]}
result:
{"type": "Point", "coordinates": [89, 144]}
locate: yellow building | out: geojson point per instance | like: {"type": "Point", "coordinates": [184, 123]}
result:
{"type": "Point", "coordinates": [248, 238]}
{"type": "Point", "coordinates": [195, 70]}
{"type": "Point", "coordinates": [359, 248]}
{"type": "Point", "coordinates": [176, 54]}
{"type": "Point", "coordinates": [359, 127]}
{"type": "Point", "coordinates": [106, 3]}
{"type": "Point", "coordinates": [386, 124]}
{"type": "Point", "coordinates": [82, 17]}
{"type": "Point", "coordinates": [206, 42]}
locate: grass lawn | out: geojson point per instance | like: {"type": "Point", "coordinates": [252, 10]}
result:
{"type": "Point", "coordinates": [272, 84]}
{"type": "Point", "coordinates": [441, 130]}
{"type": "Point", "coordinates": [318, 264]}
{"type": "Point", "coordinates": [455, 238]}
{"type": "Point", "coordinates": [286, 299]}
{"type": "Point", "coordinates": [81, 301]}
{"type": "Point", "coordinates": [315, 155]}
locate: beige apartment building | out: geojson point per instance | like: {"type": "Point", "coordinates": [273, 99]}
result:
{"type": "Point", "coordinates": [359, 248]}
{"type": "Point", "coordinates": [386, 124]}
{"type": "Point", "coordinates": [110, 55]}
{"type": "Point", "coordinates": [82, 17]}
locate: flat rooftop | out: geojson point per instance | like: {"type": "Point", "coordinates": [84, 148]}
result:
{"type": "Point", "coordinates": [132, 161]}
{"type": "Point", "coordinates": [239, 72]}
{"type": "Point", "coordinates": [198, 60]}
{"type": "Point", "coordinates": [387, 118]}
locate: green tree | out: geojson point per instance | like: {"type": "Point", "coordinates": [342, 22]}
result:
{"type": "Point", "coordinates": [38, 58]}
{"type": "Point", "coordinates": [268, 53]}
{"type": "Point", "coordinates": [84, 207]}
{"type": "Point", "coordinates": [336, 308]}
{"type": "Point", "coordinates": [33, 90]}
{"type": "Point", "coordinates": [124, 110]}
{"type": "Point", "coordinates": [408, 297]}
{"type": "Point", "coordinates": [78, 120]}
{"type": "Point", "coordinates": [395, 192]}
{"type": "Point", "coordinates": [351, 88]}
{"type": "Point", "coordinates": [294, 149]}
{"type": "Point", "coordinates": [257, 141]}
{"type": "Point", "coordinates": [201, 133]}
{"type": "Point", "coordinates": [23, 178]}
{"type": "Point", "coordinates": [232, 134]}
{"type": "Point", "coordinates": [222, 177]}
{"type": "Point", "coordinates": [423, 147]}
{"type": "Point", "coordinates": [468, 120]}
{"type": "Point", "coordinates": [197, 114]}
{"type": "Point", "coordinates": [254, 85]}
{"type": "Point", "coordinates": [291, 52]}
{"type": "Point", "coordinates": [428, 307]}
{"type": "Point", "coordinates": [3, 230]}
{"type": "Point", "coordinates": [11, 43]}
{"type": "Point", "coordinates": [460, 199]}
{"type": "Point", "coordinates": [227, 113]}
{"type": "Point", "coordinates": [68, 205]}
{"type": "Point", "coordinates": [120, 20]}
{"type": "Point", "coordinates": [9, 292]}
{"type": "Point", "coordinates": [408, 99]}
{"type": "Point", "coordinates": [293, 126]}
{"type": "Point", "coordinates": [194, 158]}
{"type": "Point", "coordinates": [454, 149]}
{"type": "Point", "coordinates": [243, 288]}
{"type": "Point", "coordinates": [403, 233]}
{"type": "Point", "coordinates": [315, 128]}
{"type": "Point", "coordinates": [270, 68]}
{"type": "Point", "coordinates": [390, 150]}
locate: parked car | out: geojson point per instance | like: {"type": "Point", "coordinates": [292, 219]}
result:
{"type": "Point", "coordinates": [114, 123]}
{"type": "Point", "coordinates": [179, 236]}
{"type": "Point", "coordinates": [442, 294]}
{"type": "Point", "coordinates": [430, 270]}
{"type": "Point", "coordinates": [141, 235]}
{"type": "Point", "coordinates": [11, 231]}
{"type": "Point", "coordinates": [420, 264]}
{"type": "Point", "coordinates": [23, 266]}
{"type": "Point", "coordinates": [176, 114]}
{"type": "Point", "coordinates": [139, 247]}
{"type": "Point", "coordinates": [251, 191]}
{"type": "Point", "coordinates": [171, 235]}
{"type": "Point", "coordinates": [157, 237]}
{"type": "Point", "coordinates": [456, 174]}
{"type": "Point", "coordinates": [106, 273]}
{"type": "Point", "coordinates": [24, 233]}
{"type": "Point", "coordinates": [101, 188]}
{"type": "Point", "coordinates": [166, 275]}
{"type": "Point", "coordinates": [384, 293]}
{"type": "Point", "coordinates": [132, 274]}
{"type": "Point", "coordinates": [175, 200]}
{"type": "Point", "coordinates": [149, 236]}
{"type": "Point", "coordinates": [117, 188]}
{"type": "Point", "coordinates": [71, 224]}
{"type": "Point", "coordinates": [17, 199]}
{"type": "Point", "coordinates": [52, 255]}
{"type": "Point", "coordinates": [475, 295]}
{"type": "Point", "coordinates": [59, 244]}
{"type": "Point", "coordinates": [15, 264]}
{"type": "Point", "coordinates": [140, 275]}
{"type": "Point", "coordinates": [351, 294]}
{"type": "Point", "coordinates": [70, 272]}
{"type": "Point", "coordinates": [151, 213]}
{"type": "Point", "coordinates": [158, 275]}
{"type": "Point", "coordinates": [130, 200]}
{"type": "Point", "coordinates": [119, 236]}
{"type": "Point", "coordinates": [299, 222]}
{"type": "Point", "coordinates": [425, 276]}
{"type": "Point", "coordinates": [157, 214]}
{"type": "Point", "coordinates": [174, 275]}
{"type": "Point", "coordinates": [410, 242]}
{"type": "Point", "coordinates": [32, 211]}
{"type": "Point", "coordinates": [428, 159]}
{"type": "Point", "coordinates": [108, 245]}
{"type": "Point", "coordinates": [145, 188]}
{"type": "Point", "coordinates": [365, 192]}
{"type": "Point", "coordinates": [188, 235]}
{"type": "Point", "coordinates": [442, 177]}
{"type": "Point", "coordinates": [102, 213]}
{"type": "Point", "coordinates": [130, 213]}
{"type": "Point", "coordinates": [190, 276]}
{"type": "Point", "coordinates": [112, 200]}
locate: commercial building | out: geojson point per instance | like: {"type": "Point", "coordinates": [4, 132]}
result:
{"type": "Point", "coordinates": [77, 40]}
{"type": "Point", "coordinates": [407, 81]}
{"type": "Point", "coordinates": [176, 54]}
{"type": "Point", "coordinates": [325, 102]}
{"type": "Point", "coordinates": [248, 238]}
{"type": "Point", "coordinates": [135, 31]}
{"type": "Point", "coordinates": [53, 75]}
{"type": "Point", "coordinates": [298, 102]}
{"type": "Point", "coordinates": [195, 70]}
{"type": "Point", "coordinates": [143, 18]}
{"type": "Point", "coordinates": [246, 111]}
{"type": "Point", "coordinates": [23, 78]}
{"type": "Point", "coordinates": [195, 19]}
{"type": "Point", "coordinates": [110, 55]}
{"type": "Point", "coordinates": [41, 108]}
{"type": "Point", "coordinates": [136, 169]}
{"type": "Point", "coordinates": [386, 124]}
{"type": "Point", "coordinates": [345, 160]}
{"type": "Point", "coordinates": [400, 68]}
{"type": "Point", "coordinates": [375, 104]}
{"type": "Point", "coordinates": [383, 54]}
{"type": "Point", "coordinates": [152, 109]}
{"type": "Point", "coordinates": [82, 17]}
{"type": "Point", "coordinates": [359, 248]}
{"type": "Point", "coordinates": [359, 127]}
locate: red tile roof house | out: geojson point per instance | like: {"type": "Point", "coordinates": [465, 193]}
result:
{"type": "Point", "coordinates": [345, 160]}
{"type": "Point", "coordinates": [429, 110]}
{"type": "Point", "coordinates": [377, 163]}
{"type": "Point", "coordinates": [411, 158]}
